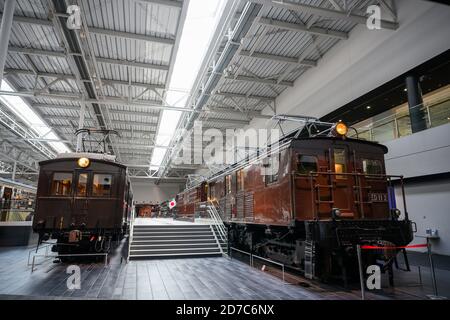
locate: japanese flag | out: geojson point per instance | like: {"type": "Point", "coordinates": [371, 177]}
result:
{"type": "Point", "coordinates": [172, 203]}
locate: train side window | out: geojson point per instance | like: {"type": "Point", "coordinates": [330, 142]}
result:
{"type": "Point", "coordinates": [340, 163]}
{"type": "Point", "coordinates": [372, 166]}
{"type": "Point", "coordinates": [227, 184]}
{"type": "Point", "coordinates": [307, 164]}
{"type": "Point", "coordinates": [271, 166]}
{"type": "Point", "coordinates": [101, 186]}
{"type": "Point", "coordinates": [82, 184]}
{"type": "Point", "coordinates": [61, 184]}
{"type": "Point", "coordinates": [240, 180]}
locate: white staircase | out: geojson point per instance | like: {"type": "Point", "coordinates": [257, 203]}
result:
{"type": "Point", "coordinates": [173, 241]}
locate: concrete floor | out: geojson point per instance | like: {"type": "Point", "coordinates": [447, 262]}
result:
{"type": "Point", "coordinates": [195, 278]}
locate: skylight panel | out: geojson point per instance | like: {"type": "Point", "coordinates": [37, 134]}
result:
{"type": "Point", "coordinates": [22, 110]}
{"type": "Point", "coordinates": [200, 23]}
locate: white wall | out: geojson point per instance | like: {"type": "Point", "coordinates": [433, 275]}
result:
{"type": "Point", "coordinates": [428, 205]}
{"type": "Point", "coordinates": [149, 192]}
{"type": "Point", "coordinates": [420, 154]}
{"type": "Point", "coordinates": [368, 59]}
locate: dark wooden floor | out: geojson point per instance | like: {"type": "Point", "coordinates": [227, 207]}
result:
{"type": "Point", "coordinates": [196, 278]}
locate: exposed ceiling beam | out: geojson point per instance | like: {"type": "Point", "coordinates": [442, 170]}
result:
{"type": "Point", "coordinates": [132, 64]}
{"type": "Point", "coordinates": [37, 52]}
{"type": "Point", "coordinates": [226, 121]}
{"type": "Point", "coordinates": [111, 111]}
{"type": "Point", "coordinates": [106, 32]}
{"type": "Point", "coordinates": [259, 80]}
{"type": "Point", "coordinates": [324, 12]}
{"type": "Point", "coordinates": [59, 54]}
{"type": "Point", "coordinates": [241, 96]}
{"type": "Point", "coordinates": [151, 104]}
{"type": "Point", "coordinates": [71, 77]}
{"type": "Point", "coordinates": [276, 58]}
{"type": "Point", "coordinates": [170, 3]}
{"type": "Point", "coordinates": [297, 27]}
{"type": "Point", "coordinates": [32, 21]}
{"type": "Point", "coordinates": [135, 122]}
{"type": "Point", "coordinates": [131, 36]}
{"type": "Point", "coordinates": [139, 146]}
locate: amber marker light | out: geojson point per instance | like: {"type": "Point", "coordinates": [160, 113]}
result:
{"type": "Point", "coordinates": [340, 128]}
{"type": "Point", "coordinates": [83, 162]}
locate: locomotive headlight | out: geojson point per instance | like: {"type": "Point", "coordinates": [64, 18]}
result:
{"type": "Point", "coordinates": [340, 128]}
{"type": "Point", "coordinates": [83, 162]}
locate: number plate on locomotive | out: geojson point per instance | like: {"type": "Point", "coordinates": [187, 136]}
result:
{"type": "Point", "coordinates": [378, 197]}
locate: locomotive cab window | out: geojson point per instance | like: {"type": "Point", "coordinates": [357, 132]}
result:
{"type": "Point", "coordinates": [372, 166]}
{"type": "Point", "coordinates": [307, 164]}
{"type": "Point", "coordinates": [340, 163]}
{"type": "Point", "coordinates": [61, 184]}
{"type": "Point", "coordinates": [82, 184]}
{"type": "Point", "coordinates": [271, 166]}
{"type": "Point", "coordinates": [101, 186]}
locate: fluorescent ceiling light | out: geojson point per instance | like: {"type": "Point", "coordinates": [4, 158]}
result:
{"type": "Point", "coordinates": [22, 110]}
{"type": "Point", "coordinates": [201, 21]}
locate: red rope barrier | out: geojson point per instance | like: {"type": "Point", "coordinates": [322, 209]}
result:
{"type": "Point", "coordinates": [401, 247]}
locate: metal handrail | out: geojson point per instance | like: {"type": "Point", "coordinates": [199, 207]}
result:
{"type": "Point", "coordinates": [252, 256]}
{"type": "Point", "coordinates": [217, 220]}
{"type": "Point", "coordinates": [130, 235]}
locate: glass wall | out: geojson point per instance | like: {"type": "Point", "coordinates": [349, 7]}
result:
{"type": "Point", "coordinates": [396, 122]}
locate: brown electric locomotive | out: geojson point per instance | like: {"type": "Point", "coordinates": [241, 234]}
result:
{"type": "Point", "coordinates": [84, 201]}
{"type": "Point", "coordinates": [327, 194]}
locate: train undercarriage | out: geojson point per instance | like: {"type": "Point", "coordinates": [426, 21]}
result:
{"type": "Point", "coordinates": [324, 250]}
{"type": "Point", "coordinates": [79, 243]}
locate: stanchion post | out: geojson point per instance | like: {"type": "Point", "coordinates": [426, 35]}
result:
{"type": "Point", "coordinates": [433, 275]}
{"type": "Point", "coordinates": [361, 277]}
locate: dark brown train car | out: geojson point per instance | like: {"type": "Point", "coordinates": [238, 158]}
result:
{"type": "Point", "coordinates": [343, 172]}
{"type": "Point", "coordinates": [189, 200]}
{"type": "Point", "coordinates": [327, 195]}
{"type": "Point", "coordinates": [85, 207]}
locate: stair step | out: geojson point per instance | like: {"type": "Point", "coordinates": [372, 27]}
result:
{"type": "Point", "coordinates": [173, 226]}
{"type": "Point", "coordinates": [162, 237]}
{"type": "Point", "coordinates": [173, 250]}
{"type": "Point", "coordinates": [175, 246]}
{"type": "Point", "coordinates": [171, 232]}
{"type": "Point", "coordinates": [176, 255]}
{"type": "Point", "coordinates": [176, 241]}
{"type": "Point", "coordinates": [172, 229]}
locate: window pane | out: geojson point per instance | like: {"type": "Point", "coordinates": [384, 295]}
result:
{"type": "Point", "coordinates": [372, 166]}
{"type": "Point", "coordinates": [228, 184]}
{"type": "Point", "coordinates": [101, 185]}
{"type": "Point", "coordinates": [271, 168]}
{"type": "Point", "coordinates": [82, 184]}
{"type": "Point", "coordinates": [307, 164]}
{"type": "Point", "coordinates": [384, 132]}
{"type": "Point", "coordinates": [340, 164]}
{"type": "Point", "coordinates": [440, 113]}
{"type": "Point", "coordinates": [61, 184]}
{"type": "Point", "coordinates": [240, 180]}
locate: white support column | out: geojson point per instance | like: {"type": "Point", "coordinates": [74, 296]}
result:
{"type": "Point", "coordinates": [5, 31]}
{"type": "Point", "coordinates": [81, 125]}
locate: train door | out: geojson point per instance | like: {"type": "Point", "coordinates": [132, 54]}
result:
{"type": "Point", "coordinates": [313, 196]}
{"type": "Point", "coordinates": [374, 188]}
{"type": "Point", "coordinates": [80, 200]}
{"type": "Point", "coordinates": [342, 181]}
